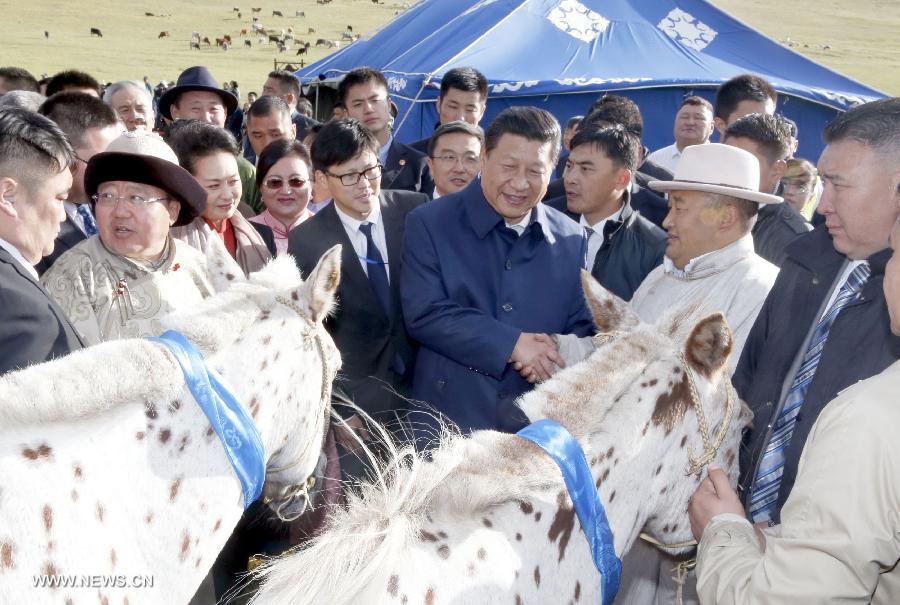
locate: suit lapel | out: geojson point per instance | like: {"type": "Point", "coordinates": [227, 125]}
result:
{"type": "Point", "coordinates": [69, 236]}
{"type": "Point", "coordinates": [393, 235]}
{"type": "Point", "coordinates": [353, 277]}
{"type": "Point", "coordinates": [392, 166]}
{"type": "Point", "coordinates": [7, 258]}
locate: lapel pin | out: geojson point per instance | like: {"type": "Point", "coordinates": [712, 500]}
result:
{"type": "Point", "coordinates": [402, 162]}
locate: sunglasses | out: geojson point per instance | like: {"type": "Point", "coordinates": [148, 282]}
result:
{"type": "Point", "coordinates": [276, 182]}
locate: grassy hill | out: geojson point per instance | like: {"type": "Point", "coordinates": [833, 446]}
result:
{"type": "Point", "coordinates": [861, 34]}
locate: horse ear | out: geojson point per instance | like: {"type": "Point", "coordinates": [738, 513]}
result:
{"type": "Point", "coordinates": [610, 313]}
{"type": "Point", "coordinates": [321, 285]}
{"type": "Point", "coordinates": [223, 270]}
{"type": "Point", "coordinates": [709, 345]}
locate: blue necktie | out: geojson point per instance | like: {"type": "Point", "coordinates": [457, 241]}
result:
{"type": "Point", "coordinates": [766, 483]}
{"type": "Point", "coordinates": [378, 280]}
{"type": "Point", "coordinates": [90, 225]}
{"type": "Point", "coordinates": [375, 268]}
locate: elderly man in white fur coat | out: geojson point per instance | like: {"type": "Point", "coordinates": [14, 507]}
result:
{"type": "Point", "coordinates": [710, 265]}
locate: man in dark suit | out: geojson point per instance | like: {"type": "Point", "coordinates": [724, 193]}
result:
{"type": "Point", "coordinates": [34, 180]}
{"type": "Point", "coordinates": [824, 325]}
{"type": "Point", "coordinates": [367, 326]}
{"type": "Point", "coordinates": [364, 92]}
{"type": "Point", "coordinates": [463, 97]}
{"type": "Point", "coordinates": [91, 125]}
{"type": "Point", "coordinates": [623, 246]}
{"type": "Point", "coordinates": [488, 275]}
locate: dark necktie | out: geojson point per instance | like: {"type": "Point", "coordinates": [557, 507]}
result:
{"type": "Point", "coordinates": [90, 225]}
{"type": "Point", "coordinates": [378, 280]}
{"type": "Point", "coordinates": [375, 268]}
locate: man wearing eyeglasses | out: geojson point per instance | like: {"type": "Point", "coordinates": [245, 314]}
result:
{"type": "Point", "coordinates": [454, 156]}
{"type": "Point", "coordinates": [368, 222]}
{"type": "Point", "coordinates": [91, 125]}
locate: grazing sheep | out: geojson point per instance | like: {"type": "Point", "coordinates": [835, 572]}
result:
{"type": "Point", "coordinates": [96, 32]}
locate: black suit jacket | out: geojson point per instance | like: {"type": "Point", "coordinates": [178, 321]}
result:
{"type": "Point", "coordinates": [33, 329]}
{"type": "Point", "coordinates": [406, 169]}
{"type": "Point", "coordinates": [368, 341]}
{"type": "Point", "coordinates": [69, 236]}
{"type": "Point", "coordinates": [632, 248]}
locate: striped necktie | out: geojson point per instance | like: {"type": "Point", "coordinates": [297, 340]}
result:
{"type": "Point", "coordinates": [87, 219]}
{"type": "Point", "coordinates": [766, 483]}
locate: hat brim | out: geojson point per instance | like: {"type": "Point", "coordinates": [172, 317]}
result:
{"type": "Point", "coordinates": [165, 101]}
{"type": "Point", "coordinates": [744, 194]}
{"type": "Point", "coordinates": [148, 170]}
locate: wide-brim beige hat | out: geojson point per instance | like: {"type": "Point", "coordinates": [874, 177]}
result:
{"type": "Point", "coordinates": [718, 168]}
{"type": "Point", "coordinates": [143, 157]}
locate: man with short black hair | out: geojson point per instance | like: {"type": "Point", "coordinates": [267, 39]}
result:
{"type": "Point", "coordinates": [35, 178]}
{"type": "Point", "coordinates": [768, 138]}
{"type": "Point", "coordinates": [90, 125]}
{"type": "Point", "coordinates": [454, 156]}
{"type": "Point", "coordinates": [623, 247]}
{"type": "Point", "coordinates": [268, 119]}
{"type": "Point", "coordinates": [364, 93]}
{"type": "Point", "coordinates": [284, 84]}
{"type": "Point", "coordinates": [610, 110]}
{"type": "Point", "coordinates": [742, 95]}
{"type": "Point", "coordinates": [825, 326]}
{"type": "Point", "coordinates": [568, 132]}
{"type": "Point", "coordinates": [367, 326]}
{"type": "Point", "coordinates": [16, 78]}
{"type": "Point", "coordinates": [693, 126]}
{"type": "Point", "coordinates": [73, 80]}
{"type": "Point", "coordinates": [488, 274]}
{"type": "Point", "coordinates": [463, 97]}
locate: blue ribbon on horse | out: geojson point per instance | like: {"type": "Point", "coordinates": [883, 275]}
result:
{"type": "Point", "coordinates": [559, 444]}
{"type": "Point", "coordinates": [242, 442]}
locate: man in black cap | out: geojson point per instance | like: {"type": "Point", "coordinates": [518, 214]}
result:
{"type": "Point", "coordinates": [197, 95]}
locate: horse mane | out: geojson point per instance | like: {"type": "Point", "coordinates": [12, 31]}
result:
{"type": "Point", "coordinates": [466, 475]}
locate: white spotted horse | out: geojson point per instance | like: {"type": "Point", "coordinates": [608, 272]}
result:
{"type": "Point", "coordinates": [116, 488]}
{"type": "Point", "coordinates": [489, 519]}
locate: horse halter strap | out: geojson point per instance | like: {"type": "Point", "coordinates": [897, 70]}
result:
{"type": "Point", "coordinates": [301, 490]}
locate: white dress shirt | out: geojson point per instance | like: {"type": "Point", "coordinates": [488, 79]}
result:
{"type": "Point", "coordinates": [383, 152]}
{"type": "Point", "coordinates": [519, 227]}
{"type": "Point", "coordinates": [14, 252]}
{"type": "Point", "coordinates": [840, 283]}
{"type": "Point", "coordinates": [358, 238]}
{"type": "Point", "coordinates": [595, 236]}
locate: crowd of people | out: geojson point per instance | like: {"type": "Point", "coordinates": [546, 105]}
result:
{"type": "Point", "coordinates": [462, 256]}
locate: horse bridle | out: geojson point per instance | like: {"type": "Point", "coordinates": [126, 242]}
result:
{"type": "Point", "coordinates": [710, 445]}
{"type": "Point", "coordinates": [301, 490]}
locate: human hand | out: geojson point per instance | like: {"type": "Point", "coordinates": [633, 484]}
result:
{"type": "Point", "coordinates": [714, 496]}
{"type": "Point", "coordinates": [351, 431]}
{"type": "Point", "coordinates": [536, 357]}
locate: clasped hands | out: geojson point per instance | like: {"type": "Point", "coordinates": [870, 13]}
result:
{"type": "Point", "coordinates": [536, 357]}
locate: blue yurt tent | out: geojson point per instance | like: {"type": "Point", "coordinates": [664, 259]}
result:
{"type": "Point", "coordinates": [561, 54]}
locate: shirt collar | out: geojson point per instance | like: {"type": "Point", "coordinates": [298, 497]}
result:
{"type": "Point", "coordinates": [14, 252]}
{"type": "Point", "coordinates": [352, 224]}
{"type": "Point", "coordinates": [598, 227]}
{"type": "Point", "coordinates": [713, 262]}
{"type": "Point", "coordinates": [483, 218]}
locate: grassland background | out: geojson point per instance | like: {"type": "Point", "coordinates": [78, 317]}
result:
{"type": "Point", "coordinates": [862, 34]}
